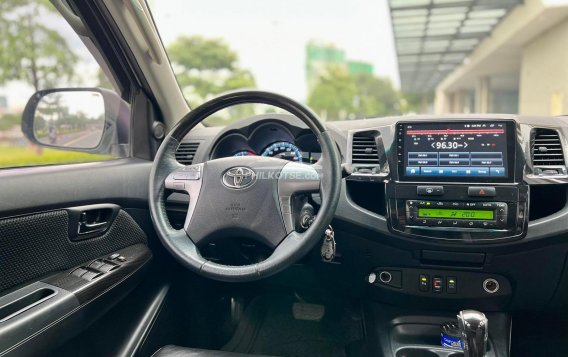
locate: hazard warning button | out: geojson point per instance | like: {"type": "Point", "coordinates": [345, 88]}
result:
{"type": "Point", "coordinates": [478, 191]}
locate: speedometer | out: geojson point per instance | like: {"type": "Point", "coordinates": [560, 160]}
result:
{"type": "Point", "coordinates": [283, 150]}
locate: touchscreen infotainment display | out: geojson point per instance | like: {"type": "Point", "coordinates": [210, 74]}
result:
{"type": "Point", "coordinates": [454, 150]}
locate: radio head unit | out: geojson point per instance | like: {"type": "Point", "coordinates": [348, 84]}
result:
{"type": "Point", "coordinates": [456, 151]}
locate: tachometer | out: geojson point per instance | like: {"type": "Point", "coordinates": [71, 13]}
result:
{"type": "Point", "coordinates": [283, 150]}
{"type": "Point", "coordinates": [245, 153]}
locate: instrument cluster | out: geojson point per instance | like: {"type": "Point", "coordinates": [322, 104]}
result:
{"type": "Point", "coordinates": [272, 139]}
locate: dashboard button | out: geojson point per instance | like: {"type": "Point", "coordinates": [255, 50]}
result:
{"type": "Point", "coordinates": [501, 221]}
{"type": "Point", "coordinates": [451, 285]}
{"type": "Point", "coordinates": [475, 191]}
{"type": "Point", "coordinates": [437, 284]}
{"type": "Point", "coordinates": [424, 283]}
{"type": "Point", "coordinates": [412, 171]}
{"type": "Point", "coordinates": [471, 224]}
{"type": "Point", "coordinates": [488, 224]}
{"type": "Point", "coordinates": [497, 171]}
{"type": "Point", "coordinates": [430, 190]}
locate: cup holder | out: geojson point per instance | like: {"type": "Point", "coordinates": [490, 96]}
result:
{"type": "Point", "coordinates": [415, 352]}
{"type": "Point", "coordinates": [424, 352]}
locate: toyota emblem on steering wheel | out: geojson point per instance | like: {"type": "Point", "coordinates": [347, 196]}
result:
{"type": "Point", "coordinates": [239, 177]}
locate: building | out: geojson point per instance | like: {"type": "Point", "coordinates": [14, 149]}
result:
{"type": "Point", "coordinates": [320, 55]}
{"type": "Point", "coordinates": [484, 56]}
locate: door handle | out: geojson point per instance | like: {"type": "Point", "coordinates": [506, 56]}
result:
{"type": "Point", "coordinates": [90, 221]}
{"type": "Point", "coordinates": [85, 228]}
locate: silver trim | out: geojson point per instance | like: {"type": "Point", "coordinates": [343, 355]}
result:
{"type": "Point", "coordinates": [190, 186]}
{"type": "Point", "coordinates": [490, 280]}
{"type": "Point", "coordinates": [238, 177]}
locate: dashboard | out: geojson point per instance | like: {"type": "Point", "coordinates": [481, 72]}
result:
{"type": "Point", "coordinates": [471, 199]}
{"type": "Point", "coordinates": [271, 137]}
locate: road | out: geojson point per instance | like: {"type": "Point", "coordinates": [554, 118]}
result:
{"type": "Point", "coordinates": [80, 139]}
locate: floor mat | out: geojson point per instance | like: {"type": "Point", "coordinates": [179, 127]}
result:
{"type": "Point", "coordinates": [268, 327]}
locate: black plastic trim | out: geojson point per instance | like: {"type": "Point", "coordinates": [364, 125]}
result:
{"type": "Point", "coordinates": [27, 190]}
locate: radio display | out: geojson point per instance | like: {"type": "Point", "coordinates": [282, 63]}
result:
{"type": "Point", "coordinates": [469, 150]}
{"type": "Point", "coordinates": [455, 213]}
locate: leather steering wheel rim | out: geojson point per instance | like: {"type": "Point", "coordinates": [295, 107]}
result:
{"type": "Point", "coordinates": [294, 245]}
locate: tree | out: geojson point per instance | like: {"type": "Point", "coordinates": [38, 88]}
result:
{"type": "Point", "coordinates": [334, 95]}
{"type": "Point", "coordinates": [29, 50]}
{"type": "Point", "coordinates": [376, 96]}
{"type": "Point", "coordinates": [338, 95]}
{"type": "Point", "coordinates": [206, 67]}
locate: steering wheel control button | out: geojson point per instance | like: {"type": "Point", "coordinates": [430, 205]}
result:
{"type": "Point", "coordinates": [475, 191]}
{"type": "Point", "coordinates": [187, 175]}
{"type": "Point", "coordinates": [451, 285]}
{"type": "Point", "coordinates": [491, 285]}
{"type": "Point", "coordinates": [437, 284]}
{"type": "Point", "coordinates": [424, 283]}
{"type": "Point", "coordinates": [430, 190]}
{"type": "Point", "coordinates": [179, 186]}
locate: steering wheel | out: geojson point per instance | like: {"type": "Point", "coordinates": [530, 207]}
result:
{"type": "Point", "coordinates": [244, 196]}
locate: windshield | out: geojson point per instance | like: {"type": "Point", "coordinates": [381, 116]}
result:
{"type": "Point", "coordinates": [369, 58]}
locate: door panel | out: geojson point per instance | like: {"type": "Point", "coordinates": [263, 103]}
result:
{"type": "Point", "coordinates": [35, 245]}
{"type": "Point", "coordinates": [45, 240]}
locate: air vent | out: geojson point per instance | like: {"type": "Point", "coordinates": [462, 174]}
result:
{"type": "Point", "coordinates": [364, 149]}
{"type": "Point", "coordinates": [186, 152]}
{"type": "Point", "coordinates": [547, 148]}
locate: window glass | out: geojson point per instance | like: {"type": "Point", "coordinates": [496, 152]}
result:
{"type": "Point", "coordinates": [39, 51]}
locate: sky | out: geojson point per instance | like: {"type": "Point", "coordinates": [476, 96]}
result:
{"type": "Point", "coordinates": [270, 36]}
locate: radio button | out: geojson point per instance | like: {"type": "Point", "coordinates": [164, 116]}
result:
{"type": "Point", "coordinates": [471, 224]}
{"type": "Point", "coordinates": [501, 221]}
{"type": "Point", "coordinates": [411, 204]}
{"type": "Point", "coordinates": [425, 222]}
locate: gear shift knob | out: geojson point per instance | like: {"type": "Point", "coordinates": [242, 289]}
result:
{"type": "Point", "coordinates": [474, 330]}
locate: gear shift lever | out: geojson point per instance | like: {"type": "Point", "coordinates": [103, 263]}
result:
{"type": "Point", "coordinates": [474, 329]}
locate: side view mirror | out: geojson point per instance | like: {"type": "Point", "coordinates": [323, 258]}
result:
{"type": "Point", "coordinates": [92, 120]}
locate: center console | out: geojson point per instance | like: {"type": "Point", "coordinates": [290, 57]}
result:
{"type": "Point", "coordinates": [458, 181]}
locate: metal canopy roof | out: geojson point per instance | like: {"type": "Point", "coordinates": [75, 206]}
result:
{"type": "Point", "coordinates": [433, 37]}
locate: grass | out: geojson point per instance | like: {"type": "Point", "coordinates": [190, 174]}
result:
{"type": "Point", "coordinates": [32, 156]}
